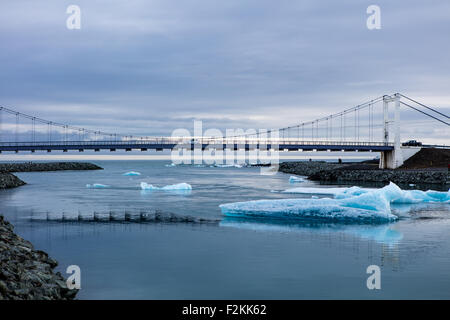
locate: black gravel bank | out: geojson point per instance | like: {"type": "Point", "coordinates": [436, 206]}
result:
{"type": "Point", "coordinates": [428, 166]}
{"type": "Point", "coordinates": [26, 273]}
{"type": "Point", "coordinates": [396, 176]}
{"type": "Point", "coordinates": [8, 180]}
{"type": "Point", "coordinates": [365, 172]}
{"type": "Point", "coordinates": [47, 166]}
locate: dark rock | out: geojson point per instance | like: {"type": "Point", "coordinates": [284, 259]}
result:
{"type": "Point", "coordinates": [396, 176]}
{"type": "Point", "coordinates": [47, 166]}
{"type": "Point", "coordinates": [8, 180]}
{"type": "Point", "coordinates": [303, 168]}
{"type": "Point", "coordinates": [26, 273]}
{"type": "Point", "coordinates": [364, 172]}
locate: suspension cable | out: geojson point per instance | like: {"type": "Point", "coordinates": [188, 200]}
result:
{"type": "Point", "coordinates": [429, 115]}
{"type": "Point", "coordinates": [429, 108]}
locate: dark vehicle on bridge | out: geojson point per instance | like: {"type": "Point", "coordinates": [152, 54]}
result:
{"type": "Point", "coordinates": [412, 143]}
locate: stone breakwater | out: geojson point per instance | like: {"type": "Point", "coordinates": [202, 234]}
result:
{"type": "Point", "coordinates": [8, 180]}
{"type": "Point", "coordinates": [353, 172]}
{"type": "Point", "coordinates": [47, 166]}
{"type": "Point", "coordinates": [308, 168]}
{"type": "Point", "coordinates": [26, 273]}
{"type": "Point", "coordinates": [396, 176]}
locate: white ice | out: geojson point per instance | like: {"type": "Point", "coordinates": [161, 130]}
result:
{"type": "Point", "coordinates": [97, 186]}
{"type": "Point", "coordinates": [294, 179]}
{"type": "Point", "coordinates": [132, 173]}
{"type": "Point", "coordinates": [170, 165]}
{"type": "Point", "coordinates": [179, 186]}
{"type": "Point", "coordinates": [348, 204]}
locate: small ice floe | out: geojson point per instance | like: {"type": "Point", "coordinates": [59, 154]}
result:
{"type": "Point", "coordinates": [172, 187]}
{"type": "Point", "coordinates": [170, 165]}
{"type": "Point", "coordinates": [132, 173]}
{"type": "Point", "coordinates": [295, 179]}
{"type": "Point", "coordinates": [228, 165]}
{"type": "Point", "coordinates": [97, 186]}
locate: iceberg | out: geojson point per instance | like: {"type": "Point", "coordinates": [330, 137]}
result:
{"type": "Point", "coordinates": [374, 209]}
{"type": "Point", "coordinates": [172, 187]}
{"type": "Point", "coordinates": [398, 196]}
{"type": "Point", "coordinates": [392, 192]}
{"type": "Point", "coordinates": [348, 204]}
{"type": "Point", "coordinates": [294, 179]}
{"type": "Point", "coordinates": [132, 173]}
{"type": "Point", "coordinates": [97, 186]}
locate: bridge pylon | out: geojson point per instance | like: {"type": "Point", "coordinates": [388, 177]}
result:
{"type": "Point", "coordinates": [391, 159]}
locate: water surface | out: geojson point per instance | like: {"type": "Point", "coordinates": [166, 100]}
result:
{"type": "Point", "coordinates": [234, 259]}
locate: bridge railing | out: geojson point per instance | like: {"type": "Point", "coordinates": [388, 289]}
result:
{"type": "Point", "coordinates": [183, 141]}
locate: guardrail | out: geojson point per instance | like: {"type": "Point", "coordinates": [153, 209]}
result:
{"type": "Point", "coordinates": [183, 141]}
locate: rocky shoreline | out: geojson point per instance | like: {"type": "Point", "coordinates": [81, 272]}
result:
{"type": "Point", "coordinates": [9, 180]}
{"type": "Point", "coordinates": [428, 166]}
{"type": "Point", "coordinates": [440, 177]}
{"type": "Point", "coordinates": [26, 273]}
{"type": "Point", "coordinates": [364, 172]}
{"type": "Point", "coordinates": [47, 166]}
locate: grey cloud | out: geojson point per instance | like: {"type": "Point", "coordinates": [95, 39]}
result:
{"type": "Point", "coordinates": [156, 65]}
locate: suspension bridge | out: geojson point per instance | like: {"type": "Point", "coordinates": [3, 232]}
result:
{"type": "Point", "coordinates": [368, 127]}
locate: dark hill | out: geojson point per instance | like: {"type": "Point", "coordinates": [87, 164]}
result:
{"type": "Point", "coordinates": [428, 158]}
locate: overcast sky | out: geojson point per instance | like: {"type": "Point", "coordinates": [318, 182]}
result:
{"type": "Point", "coordinates": [150, 66]}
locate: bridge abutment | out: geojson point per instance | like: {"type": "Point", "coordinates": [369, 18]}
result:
{"type": "Point", "coordinates": [394, 158]}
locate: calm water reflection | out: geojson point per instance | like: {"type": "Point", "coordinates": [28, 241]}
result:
{"type": "Point", "coordinates": [232, 259]}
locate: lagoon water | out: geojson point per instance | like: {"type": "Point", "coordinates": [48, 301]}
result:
{"type": "Point", "coordinates": [234, 259]}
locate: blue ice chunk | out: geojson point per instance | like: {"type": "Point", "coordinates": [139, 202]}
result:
{"type": "Point", "coordinates": [132, 173]}
{"type": "Point", "coordinates": [373, 209]}
{"type": "Point", "coordinates": [348, 204]}
{"type": "Point", "coordinates": [97, 186]}
{"type": "Point", "coordinates": [295, 179]}
{"type": "Point", "coordinates": [179, 186]}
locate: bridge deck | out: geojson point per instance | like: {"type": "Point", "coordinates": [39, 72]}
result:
{"type": "Point", "coordinates": [169, 144]}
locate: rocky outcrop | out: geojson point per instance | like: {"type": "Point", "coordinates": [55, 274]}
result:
{"type": "Point", "coordinates": [47, 166]}
{"type": "Point", "coordinates": [396, 176]}
{"type": "Point", "coordinates": [366, 171]}
{"type": "Point", "coordinates": [26, 273]}
{"type": "Point", "coordinates": [304, 168]}
{"type": "Point", "coordinates": [8, 180]}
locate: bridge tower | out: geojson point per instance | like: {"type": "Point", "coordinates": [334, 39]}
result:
{"type": "Point", "coordinates": [391, 159]}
